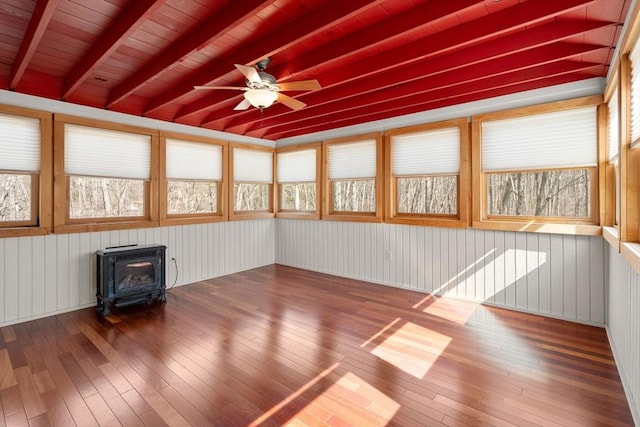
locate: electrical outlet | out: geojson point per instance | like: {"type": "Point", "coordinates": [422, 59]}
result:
{"type": "Point", "coordinates": [388, 255]}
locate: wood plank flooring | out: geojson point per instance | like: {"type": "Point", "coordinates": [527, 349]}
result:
{"type": "Point", "coordinates": [282, 346]}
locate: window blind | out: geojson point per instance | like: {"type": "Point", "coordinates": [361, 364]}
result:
{"type": "Point", "coordinates": [634, 56]}
{"type": "Point", "coordinates": [252, 166]}
{"type": "Point", "coordinates": [426, 153]}
{"type": "Point", "coordinates": [297, 166]}
{"type": "Point", "coordinates": [106, 153]}
{"type": "Point", "coordinates": [193, 160]}
{"type": "Point", "coordinates": [19, 143]}
{"type": "Point", "coordinates": [558, 139]}
{"type": "Point", "coordinates": [613, 126]}
{"type": "Point", "coordinates": [352, 160]}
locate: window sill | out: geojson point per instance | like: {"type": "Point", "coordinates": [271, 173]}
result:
{"type": "Point", "coordinates": [631, 253]}
{"type": "Point", "coordinates": [24, 231]}
{"type": "Point", "coordinates": [612, 236]}
{"type": "Point", "coordinates": [428, 221]}
{"type": "Point", "coordinates": [352, 217]}
{"type": "Point", "coordinates": [239, 216]}
{"type": "Point", "coordinates": [193, 220]}
{"type": "Point", "coordinates": [102, 226]}
{"type": "Point", "coordinates": [297, 215]}
{"type": "Point", "coordinates": [540, 227]}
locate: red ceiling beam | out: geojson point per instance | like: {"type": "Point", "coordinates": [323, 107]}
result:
{"type": "Point", "coordinates": [42, 14]}
{"type": "Point", "coordinates": [117, 33]}
{"type": "Point", "coordinates": [499, 66]}
{"type": "Point", "coordinates": [477, 54]}
{"type": "Point", "coordinates": [466, 93]}
{"type": "Point", "coordinates": [482, 29]}
{"type": "Point", "coordinates": [209, 30]}
{"type": "Point", "coordinates": [397, 27]}
{"type": "Point", "coordinates": [311, 24]}
{"type": "Point", "coordinates": [503, 67]}
{"type": "Point", "coordinates": [530, 85]}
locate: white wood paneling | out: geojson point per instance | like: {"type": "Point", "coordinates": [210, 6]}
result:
{"type": "Point", "coordinates": [555, 275]}
{"type": "Point", "coordinates": [43, 275]}
{"type": "Point", "coordinates": [623, 325]}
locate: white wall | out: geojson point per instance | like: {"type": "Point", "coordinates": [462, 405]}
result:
{"type": "Point", "coordinates": [43, 275]}
{"type": "Point", "coordinates": [561, 276]}
{"type": "Point", "coordinates": [623, 325]}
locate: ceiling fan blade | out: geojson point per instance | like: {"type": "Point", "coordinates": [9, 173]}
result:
{"type": "Point", "coordinates": [250, 73]}
{"type": "Point", "coordinates": [243, 105]}
{"type": "Point", "coordinates": [290, 102]}
{"type": "Point", "coordinates": [300, 85]}
{"type": "Point", "coordinates": [220, 87]}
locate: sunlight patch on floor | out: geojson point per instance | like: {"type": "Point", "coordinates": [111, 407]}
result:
{"type": "Point", "coordinates": [453, 310]}
{"type": "Point", "coordinates": [412, 349]}
{"type": "Point", "coordinates": [382, 331]}
{"type": "Point", "coordinates": [351, 401]}
{"type": "Point", "coordinates": [293, 396]}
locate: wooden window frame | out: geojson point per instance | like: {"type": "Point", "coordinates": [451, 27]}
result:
{"type": "Point", "coordinates": [62, 223]}
{"type": "Point", "coordinates": [285, 213]}
{"type": "Point", "coordinates": [242, 215]}
{"type": "Point", "coordinates": [629, 158]}
{"type": "Point", "coordinates": [610, 173]}
{"type": "Point", "coordinates": [327, 194]}
{"type": "Point", "coordinates": [629, 172]}
{"type": "Point", "coordinates": [459, 220]}
{"type": "Point", "coordinates": [222, 187]}
{"type": "Point", "coordinates": [480, 217]}
{"type": "Point", "coordinates": [41, 187]}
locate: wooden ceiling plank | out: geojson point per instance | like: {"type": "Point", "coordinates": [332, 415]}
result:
{"type": "Point", "coordinates": [498, 66]}
{"type": "Point", "coordinates": [477, 54]}
{"type": "Point", "coordinates": [474, 77]}
{"type": "Point", "coordinates": [465, 35]}
{"type": "Point", "coordinates": [448, 98]}
{"type": "Point", "coordinates": [410, 22]}
{"type": "Point", "coordinates": [203, 34]}
{"type": "Point", "coordinates": [311, 24]}
{"type": "Point", "coordinates": [116, 34]}
{"type": "Point", "coordinates": [39, 20]}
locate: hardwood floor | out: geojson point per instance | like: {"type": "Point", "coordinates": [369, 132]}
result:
{"type": "Point", "coordinates": [279, 345]}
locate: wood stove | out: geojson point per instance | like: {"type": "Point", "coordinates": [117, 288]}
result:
{"type": "Point", "coordinates": [130, 275]}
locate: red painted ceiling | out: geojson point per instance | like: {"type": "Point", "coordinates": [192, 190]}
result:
{"type": "Point", "coordinates": [374, 59]}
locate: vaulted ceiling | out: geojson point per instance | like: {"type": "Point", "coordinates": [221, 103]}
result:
{"type": "Point", "coordinates": [374, 59]}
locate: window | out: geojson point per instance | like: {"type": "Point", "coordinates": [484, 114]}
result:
{"type": "Point", "coordinates": [612, 168]}
{"type": "Point", "coordinates": [630, 151]}
{"type": "Point", "coordinates": [630, 146]}
{"type": "Point", "coordinates": [297, 172]}
{"type": "Point", "coordinates": [252, 181]}
{"type": "Point", "coordinates": [25, 171]}
{"type": "Point", "coordinates": [107, 177]}
{"type": "Point", "coordinates": [536, 168]}
{"type": "Point", "coordinates": [193, 189]}
{"type": "Point", "coordinates": [353, 173]}
{"type": "Point", "coordinates": [428, 184]}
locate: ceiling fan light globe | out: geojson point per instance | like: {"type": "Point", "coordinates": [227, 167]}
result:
{"type": "Point", "coordinates": [260, 98]}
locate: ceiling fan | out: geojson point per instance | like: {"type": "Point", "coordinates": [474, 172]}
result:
{"type": "Point", "coordinates": [263, 90]}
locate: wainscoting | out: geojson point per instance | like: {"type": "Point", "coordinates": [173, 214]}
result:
{"type": "Point", "coordinates": [560, 276]}
{"type": "Point", "coordinates": [44, 275]}
{"type": "Point", "coordinates": [623, 325]}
